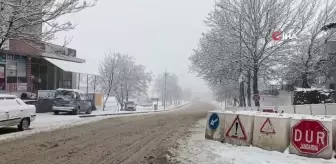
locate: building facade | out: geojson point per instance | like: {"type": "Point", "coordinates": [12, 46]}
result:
{"type": "Point", "coordinates": [26, 67]}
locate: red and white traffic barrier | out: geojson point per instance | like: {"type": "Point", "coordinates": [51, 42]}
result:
{"type": "Point", "coordinates": [215, 125]}
{"type": "Point", "coordinates": [238, 128]}
{"type": "Point", "coordinates": [271, 131]}
{"type": "Point", "coordinates": [311, 136]}
{"type": "Point", "coordinates": [306, 135]}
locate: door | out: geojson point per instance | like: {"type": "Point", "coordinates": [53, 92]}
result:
{"type": "Point", "coordinates": [84, 103]}
{"type": "Point", "coordinates": [14, 112]}
{"type": "Point", "coordinates": [9, 113]}
{"type": "Point", "coordinates": [3, 114]}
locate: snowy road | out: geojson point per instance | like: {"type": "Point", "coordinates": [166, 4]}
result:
{"type": "Point", "coordinates": [49, 122]}
{"type": "Point", "coordinates": [128, 139]}
{"type": "Point", "coordinates": [197, 150]}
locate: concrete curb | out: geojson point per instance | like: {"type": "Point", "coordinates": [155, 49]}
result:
{"type": "Point", "coordinates": [112, 114]}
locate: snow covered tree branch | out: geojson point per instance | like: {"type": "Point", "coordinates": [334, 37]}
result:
{"type": "Point", "coordinates": [36, 20]}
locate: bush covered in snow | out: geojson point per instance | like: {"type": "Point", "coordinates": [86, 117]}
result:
{"type": "Point", "coordinates": [313, 96]}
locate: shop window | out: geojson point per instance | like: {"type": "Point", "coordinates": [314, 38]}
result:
{"type": "Point", "coordinates": [33, 60]}
{"type": "Point", "coordinates": [17, 57]}
{"type": "Point", "coordinates": [10, 57]}
{"type": "Point", "coordinates": [11, 69]}
{"type": "Point", "coordinates": [11, 76]}
{"type": "Point", "coordinates": [22, 79]}
{"type": "Point", "coordinates": [11, 79]}
{"type": "Point", "coordinates": [11, 73]}
{"type": "Point", "coordinates": [51, 77]}
{"type": "Point", "coordinates": [16, 70]}
{"type": "Point", "coordinates": [43, 77]}
{"type": "Point", "coordinates": [2, 78]}
{"type": "Point", "coordinates": [59, 78]}
{"type": "Point", "coordinates": [2, 58]}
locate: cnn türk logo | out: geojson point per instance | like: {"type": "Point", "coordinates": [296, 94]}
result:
{"type": "Point", "coordinates": [278, 36]}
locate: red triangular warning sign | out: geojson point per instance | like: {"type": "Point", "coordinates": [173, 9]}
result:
{"type": "Point", "coordinates": [236, 130]}
{"type": "Point", "coordinates": [267, 127]}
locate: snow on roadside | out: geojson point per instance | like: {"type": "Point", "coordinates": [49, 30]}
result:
{"type": "Point", "coordinates": [197, 150]}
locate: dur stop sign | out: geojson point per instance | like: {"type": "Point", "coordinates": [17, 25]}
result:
{"type": "Point", "coordinates": [310, 137]}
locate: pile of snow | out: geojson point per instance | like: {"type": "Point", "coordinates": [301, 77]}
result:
{"type": "Point", "coordinates": [197, 150]}
{"type": "Point", "coordinates": [111, 104]}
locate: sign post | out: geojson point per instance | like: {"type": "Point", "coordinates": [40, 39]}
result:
{"type": "Point", "coordinates": [256, 97]}
{"type": "Point", "coordinates": [309, 137]}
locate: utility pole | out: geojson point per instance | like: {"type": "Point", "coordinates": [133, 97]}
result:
{"type": "Point", "coordinates": [165, 89]}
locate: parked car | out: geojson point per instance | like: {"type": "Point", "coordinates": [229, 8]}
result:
{"type": "Point", "coordinates": [130, 106]}
{"type": "Point", "coordinates": [72, 101]}
{"type": "Point", "coordinates": [14, 111]}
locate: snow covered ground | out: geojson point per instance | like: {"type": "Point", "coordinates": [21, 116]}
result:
{"type": "Point", "coordinates": [283, 99]}
{"type": "Point", "coordinates": [196, 150]}
{"type": "Point", "coordinates": [49, 122]}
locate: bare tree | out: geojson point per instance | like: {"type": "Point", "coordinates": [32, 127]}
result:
{"type": "Point", "coordinates": [253, 22]}
{"type": "Point", "coordinates": [34, 21]}
{"type": "Point", "coordinates": [131, 80]}
{"type": "Point", "coordinates": [172, 92]}
{"type": "Point", "coordinates": [308, 60]}
{"type": "Point", "coordinates": [108, 70]}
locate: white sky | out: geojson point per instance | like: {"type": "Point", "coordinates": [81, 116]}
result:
{"type": "Point", "coordinates": [160, 34]}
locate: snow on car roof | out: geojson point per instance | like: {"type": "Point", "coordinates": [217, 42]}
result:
{"type": "Point", "coordinates": [7, 95]}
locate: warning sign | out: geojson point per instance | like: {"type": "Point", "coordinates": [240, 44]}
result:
{"type": "Point", "coordinates": [236, 130]}
{"type": "Point", "coordinates": [267, 127]}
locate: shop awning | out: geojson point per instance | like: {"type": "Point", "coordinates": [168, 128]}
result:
{"type": "Point", "coordinates": [69, 66]}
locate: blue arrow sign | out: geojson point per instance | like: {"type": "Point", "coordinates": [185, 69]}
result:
{"type": "Point", "coordinates": [213, 121]}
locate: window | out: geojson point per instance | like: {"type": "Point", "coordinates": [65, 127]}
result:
{"type": "Point", "coordinates": [9, 101]}
{"type": "Point", "coordinates": [10, 57]}
{"type": "Point", "coordinates": [77, 95]}
{"type": "Point", "coordinates": [20, 101]}
{"type": "Point", "coordinates": [17, 57]}
{"type": "Point", "coordinates": [16, 70]}
{"type": "Point", "coordinates": [82, 96]}
{"type": "Point", "coordinates": [51, 77]}
{"type": "Point", "coordinates": [11, 69]}
{"type": "Point", "coordinates": [43, 77]}
{"type": "Point", "coordinates": [11, 73]}
{"type": "Point", "coordinates": [2, 58]}
{"type": "Point", "coordinates": [2, 78]}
